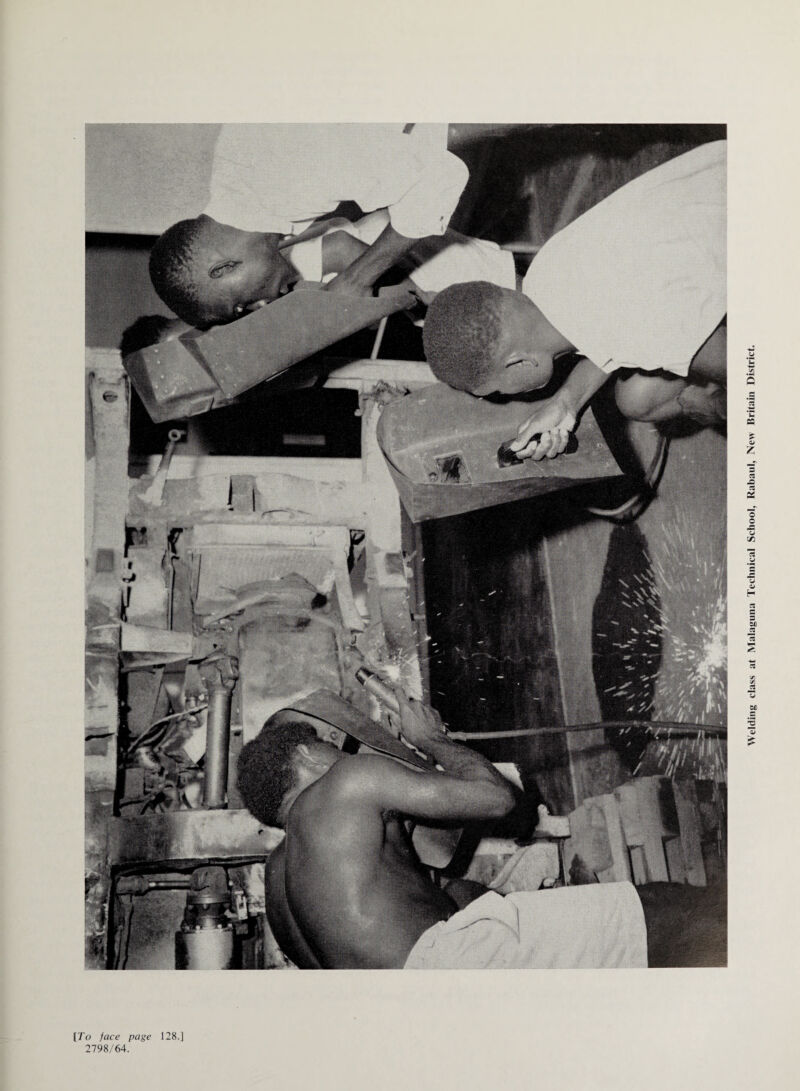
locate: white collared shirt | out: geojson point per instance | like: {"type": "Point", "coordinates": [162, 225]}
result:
{"type": "Point", "coordinates": [639, 280]}
{"type": "Point", "coordinates": [451, 258]}
{"type": "Point", "coordinates": [279, 178]}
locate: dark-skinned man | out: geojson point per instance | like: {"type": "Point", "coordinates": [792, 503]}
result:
{"type": "Point", "coordinates": [271, 183]}
{"type": "Point", "coordinates": [346, 890]}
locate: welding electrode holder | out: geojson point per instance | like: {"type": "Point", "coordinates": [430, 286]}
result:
{"type": "Point", "coordinates": [385, 694]}
{"type": "Point", "coordinates": [373, 684]}
{"type": "Point", "coordinates": [507, 457]}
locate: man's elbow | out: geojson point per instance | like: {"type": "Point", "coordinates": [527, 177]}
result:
{"type": "Point", "coordinates": [457, 172]}
{"type": "Point", "coordinates": [504, 800]}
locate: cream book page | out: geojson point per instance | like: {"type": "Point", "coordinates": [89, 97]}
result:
{"type": "Point", "coordinates": [81, 63]}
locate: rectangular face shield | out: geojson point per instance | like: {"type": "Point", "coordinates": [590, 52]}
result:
{"type": "Point", "coordinates": [448, 453]}
{"type": "Point", "coordinates": [201, 371]}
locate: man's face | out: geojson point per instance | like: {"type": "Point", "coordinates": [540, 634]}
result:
{"type": "Point", "coordinates": [521, 361]}
{"type": "Point", "coordinates": [239, 274]}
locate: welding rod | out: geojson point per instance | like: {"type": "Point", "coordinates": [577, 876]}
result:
{"type": "Point", "coordinates": [372, 683]}
{"type": "Point", "coordinates": [655, 726]}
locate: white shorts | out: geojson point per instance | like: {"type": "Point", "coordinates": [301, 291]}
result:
{"type": "Point", "coordinates": [597, 926]}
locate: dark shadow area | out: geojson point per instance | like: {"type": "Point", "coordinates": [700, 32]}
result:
{"type": "Point", "coordinates": [686, 925]}
{"type": "Point", "coordinates": [500, 203]}
{"type": "Point", "coordinates": [626, 640]}
{"type": "Point", "coordinates": [492, 657]}
{"type": "Point", "coordinates": [264, 422]}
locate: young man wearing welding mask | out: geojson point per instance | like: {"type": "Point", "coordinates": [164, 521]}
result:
{"type": "Point", "coordinates": [270, 183]}
{"type": "Point", "coordinates": [346, 890]}
{"type": "Point", "coordinates": [636, 283]}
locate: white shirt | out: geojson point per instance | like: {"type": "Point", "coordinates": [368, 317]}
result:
{"type": "Point", "coordinates": [278, 178]}
{"type": "Point", "coordinates": [448, 259]}
{"type": "Point", "coordinates": [640, 279]}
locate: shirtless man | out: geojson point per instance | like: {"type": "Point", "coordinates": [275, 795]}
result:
{"type": "Point", "coordinates": [346, 890]}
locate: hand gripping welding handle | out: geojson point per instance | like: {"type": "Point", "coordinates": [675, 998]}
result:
{"type": "Point", "coordinates": [507, 457]}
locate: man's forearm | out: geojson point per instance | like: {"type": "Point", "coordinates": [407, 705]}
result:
{"type": "Point", "coordinates": [388, 248]}
{"type": "Point", "coordinates": [583, 381]}
{"type": "Point", "coordinates": [459, 761]}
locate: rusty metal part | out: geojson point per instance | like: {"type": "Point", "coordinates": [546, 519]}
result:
{"type": "Point", "coordinates": [154, 493]}
{"type": "Point", "coordinates": [107, 476]}
{"type": "Point", "coordinates": [140, 884]}
{"type": "Point", "coordinates": [180, 838]}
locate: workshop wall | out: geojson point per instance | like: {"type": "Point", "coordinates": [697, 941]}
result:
{"type": "Point", "coordinates": [142, 178]}
{"type": "Point", "coordinates": [118, 288]}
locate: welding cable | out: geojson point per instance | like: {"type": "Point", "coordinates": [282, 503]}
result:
{"type": "Point", "coordinates": [656, 726]}
{"type": "Point", "coordinates": [150, 734]}
{"type": "Point", "coordinates": [635, 505]}
{"type": "Point", "coordinates": [122, 938]}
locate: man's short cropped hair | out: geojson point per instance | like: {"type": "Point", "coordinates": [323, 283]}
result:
{"type": "Point", "coordinates": [265, 771]}
{"type": "Point", "coordinates": [461, 333]}
{"type": "Point", "coordinates": [173, 272]}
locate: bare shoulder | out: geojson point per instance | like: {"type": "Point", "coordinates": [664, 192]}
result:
{"type": "Point", "coordinates": [360, 773]}
{"type": "Point", "coordinates": [354, 784]}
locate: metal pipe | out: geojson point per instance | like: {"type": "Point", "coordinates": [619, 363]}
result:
{"type": "Point", "coordinates": [218, 737]}
{"type": "Point", "coordinates": [220, 676]}
{"type": "Point", "coordinates": [140, 884]}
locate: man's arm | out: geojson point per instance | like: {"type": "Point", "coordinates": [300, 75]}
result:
{"type": "Point", "coordinates": [383, 784]}
{"type": "Point", "coordinates": [361, 274]}
{"type": "Point", "coordinates": [339, 250]}
{"type": "Point", "coordinates": [710, 362]}
{"type": "Point", "coordinates": [417, 186]}
{"type": "Point", "coordinates": [469, 789]}
{"type": "Point", "coordinates": [422, 726]}
{"type": "Point", "coordinates": [555, 418]}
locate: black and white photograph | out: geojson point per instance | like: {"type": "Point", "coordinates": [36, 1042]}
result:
{"type": "Point", "coordinates": [398, 546]}
{"type": "Point", "coordinates": [406, 546]}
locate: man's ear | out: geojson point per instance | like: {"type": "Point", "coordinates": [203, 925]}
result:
{"type": "Point", "coordinates": [514, 360]}
{"type": "Point", "coordinates": [521, 374]}
{"type": "Point", "coordinates": [306, 756]}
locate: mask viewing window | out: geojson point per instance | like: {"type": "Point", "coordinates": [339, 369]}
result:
{"type": "Point", "coordinates": [451, 468]}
